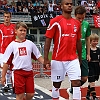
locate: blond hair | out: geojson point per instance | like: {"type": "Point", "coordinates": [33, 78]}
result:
{"type": "Point", "coordinates": [18, 24]}
{"type": "Point", "coordinates": [94, 36]}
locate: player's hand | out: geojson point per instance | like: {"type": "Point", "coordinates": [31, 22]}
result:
{"type": "Point", "coordinates": [88, 58]}
{"type": "Point", "coordinates": [3, 80]}
{"type": "Point", "coordinates": [46, 64]}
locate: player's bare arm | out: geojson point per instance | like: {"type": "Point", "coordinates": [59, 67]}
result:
{"type": "Point", "coordinates": [46, 52]}
{"type": "Point", "coordinates": [4, 71]}
{"type": "Point", "coordinates": [79, 50]}
{"type": "Point", "coordinates": [88, 48]}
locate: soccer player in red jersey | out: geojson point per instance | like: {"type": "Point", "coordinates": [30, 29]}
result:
{"type": "Point", "coordinates": [22, 50]}
{"type": "Point", "coordinates": [66, 34]}
{"type": "Point", "coordinates": [7, 35]}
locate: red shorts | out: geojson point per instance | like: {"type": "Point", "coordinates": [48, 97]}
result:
{"type": "Point", "coordinates": [23, 81]}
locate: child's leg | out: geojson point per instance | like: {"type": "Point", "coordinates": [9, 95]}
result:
{"type": "Point", "coordinates": [29, 88]}
{"type": "Point", "coordinates": [92, 90]}
{"type": "Point", "coordinates": [20, 96]}
{"type": "Point", "coordinates": [88, 91]}
{"type": "Point", "coordinates": [29, 96]}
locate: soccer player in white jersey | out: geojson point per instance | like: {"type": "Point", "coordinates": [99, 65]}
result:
{"type": "Point", "coordinates": [23, 74]}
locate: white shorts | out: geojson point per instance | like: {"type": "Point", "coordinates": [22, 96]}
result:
{"type": "Point", "coordinates": [1, 61]}
{"type": "Point", "coordinates": [60, 68]}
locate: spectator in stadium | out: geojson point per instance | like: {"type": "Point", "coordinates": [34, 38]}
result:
{"type": "Point", "coordinates": [24, 3]}
{"type": "Point", "coordinates": [31, 9]}
{"type": "Point", "coordinates": [25, 9]}
{"type": "Point", "coordinates": [13, 3]}
{"type": "Point", "coordinates": [22, 62]}
{"type": "Point", "coordinates": [82, 2]}
{"type": "Point", "coordinates": [5, 8]}
{"type": "Point", "coordinates": [18, 4]}
{"type": "Point", "coordinates": [19, 9]}
{"type": "Point", "coordinates": [40, 10]}
{"type": "Point", "coordinates": [93, 66]}
{"type": "Point", "coordinates": [80, 12]}
{"type": "Point", "coordinates": [95, 10]}
{"type": "Point", "coordinates": [65, 32]}
{"type": "Point", "coordinates": [29, 2]}
{"type": "Point", "coordinates": [37, 3]}
{"type": "Point", "coordinates": [51, 7]}
{"type": "Point", "coordinates": [98, 5]}
{"type": "Point", "coordinates": [7, 35]}
{"type": "Point", "coordinates": [11, 9]}
{"type": "Point", "coordinates": [0, 4]}
{"type": "Point", "coordinates": [4, 3]}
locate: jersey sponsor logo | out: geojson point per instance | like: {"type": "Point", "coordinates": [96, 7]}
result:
{"type": "Point", "coordinates": [70, 34]}
{"type": "Point", "coordinates": [68, 24]}
{"type": "Point", "coordinates": [82, 39]}
{"type": "Point", "coordinates": [22, 51]}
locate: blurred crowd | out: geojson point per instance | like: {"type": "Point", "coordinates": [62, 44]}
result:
{"type": "Point", "coordinates": [92, 6]}
{"type": "Point", "coordinates": [31, 6]}
{"type": "Point", "coordinates": [45, 6]}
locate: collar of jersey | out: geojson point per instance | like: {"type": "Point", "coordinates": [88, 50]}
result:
{"type": "Point", "coordinates": [21, 41]}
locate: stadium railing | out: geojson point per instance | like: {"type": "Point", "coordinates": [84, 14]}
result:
{"type": "Point", "coordinates": [18, 16]}
{"type": "Point", "coordinates": [26, 17]}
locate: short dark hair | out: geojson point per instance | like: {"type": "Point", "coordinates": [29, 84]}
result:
{"type": "Point", "coordinates": [80, 10]}
{"type": "Point", "coordinates": [7, 12]}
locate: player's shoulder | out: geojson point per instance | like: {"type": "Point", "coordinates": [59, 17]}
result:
{"type": "Point", "coordinates": [12, 24]}
{"type": "Point", "coordinates": [85, 22]}
{"type": "Point", "coordinates": [75, 20]}
{"type": "Point", "coordinates": [1, 25]}
{"type": "Point", "coordinates": [57, 18]}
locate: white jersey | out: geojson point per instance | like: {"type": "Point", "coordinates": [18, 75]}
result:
{"type": "Point", "coordinates": [22, 54]}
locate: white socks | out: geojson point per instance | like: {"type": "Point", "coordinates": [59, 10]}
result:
{"type": "Point", "coordinates": [55, 92]}
{"type": "Point", "coordinates": [76, 93]}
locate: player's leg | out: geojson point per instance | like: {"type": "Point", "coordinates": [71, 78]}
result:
{"type": "Point", "coordinates": [74, 74]}
{"type": "Point", "coordinates": [84, 71]}
{"type": "Point", "coordinates": [1, 65]}
{"type": "Point", "coordinates": [57, 75]}
{"type": "Point", "coordinates": [84, 76]}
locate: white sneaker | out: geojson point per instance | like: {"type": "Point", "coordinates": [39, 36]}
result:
{"type": "Point", "coordinates": [70, 94]}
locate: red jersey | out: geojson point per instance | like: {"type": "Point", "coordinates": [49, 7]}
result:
{"type": "Point", "coordinates": [98, 4]}
{"type": "Point", "coordinates": [65, 33]}
{"type": "Point", "coordinates": [7, 35]}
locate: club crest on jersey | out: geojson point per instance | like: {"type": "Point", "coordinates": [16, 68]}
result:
{"type": "Point", "coordinates": [12, 32]}
{"type": "Point", "coordinates": [84, 29]}
{"type": "Point", "coordinates": [22, 51]}
{"type": "Point", "coordinates": [75, 28]}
